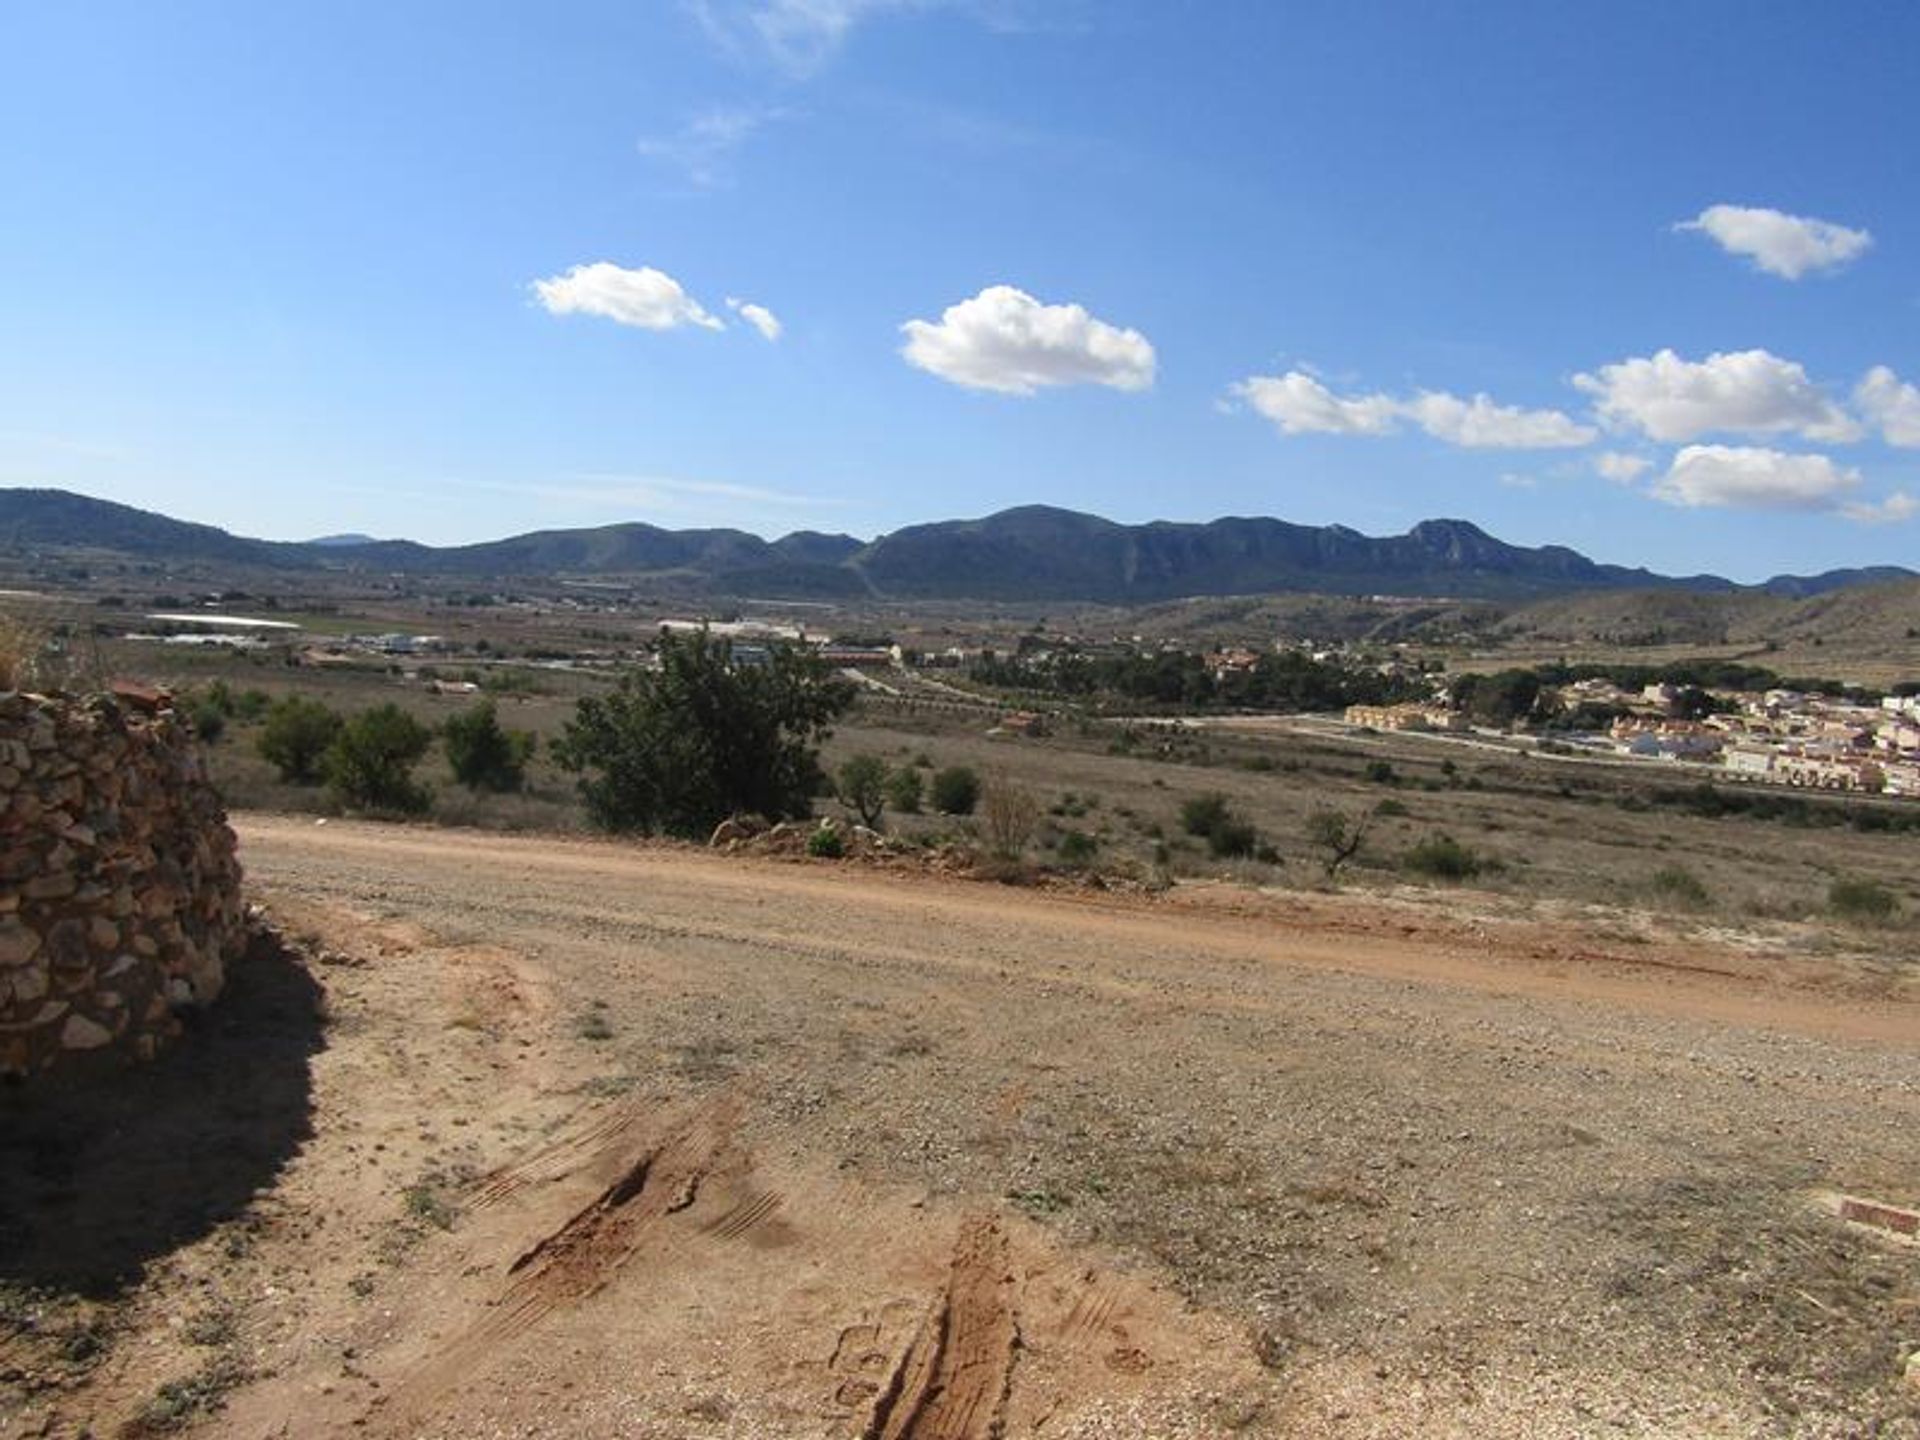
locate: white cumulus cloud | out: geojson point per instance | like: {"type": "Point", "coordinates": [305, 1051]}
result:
{"type": "Point", "coordinates": [1780, 244]}
{"type": "Point", "coordinates": [1751, 392]}
{"type": "Point", "coordinates": [1005, 340]}
{"type": "Point", "coordinates": [1746, 477]}
{"type": "Point", "coordinates": [1480, 424]}
{"type": "Point", "coordinates": [758, 316]}
{"type": "Point", "coordinates": [1891, 404]}
{"type": "Point", "coordinates": [1621, 468]}
{"type": "Point", "coordinates": [1300, 404]}
{"type": "Point", "coordinates": [646, 298]}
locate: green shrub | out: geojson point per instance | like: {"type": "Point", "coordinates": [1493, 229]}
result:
{"type": "Point", "coordinates": [1441, 857]}
{"type": "Point", "coordinates": [1203, 814]}
{"type": "Point", "coordinates": [1381, 772]}
{"type": "Point", "coordinates": [1863, 902]}
{"type": "Point", "coordinates": [1228, 835]}
{"type": "Point", "coordinates": [1678, 885]}
{"type": "Point", "coordinates": [904, 790]}
{"type": "Point", "coordinates": [296, 736]}
{"type": "Point", "coordinates": [483, 753]}
{"type": "Point", "coordinates": [209, 721]}
{"type": "Point", "coordinates": [370, 763]}
{"type": "Point", "coordinates": [825, 844]}
{"type": "Point", "coordinates": [862, 784]}
{"type": "Point", "coordinates": [1078, 848]}
{"type": "Point", "coordinates": [681, 748]}
{"type": "Point", "coordinates": [956, 790]}
{"type": "Point", "coordinates": [1232, 839]}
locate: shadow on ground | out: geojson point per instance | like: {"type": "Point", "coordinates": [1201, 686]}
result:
{"type": "Point", "coordinates": [101, 1175]}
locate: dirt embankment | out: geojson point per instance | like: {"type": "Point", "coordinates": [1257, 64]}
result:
{"type": "Point", "coordinates": [610, 1140]}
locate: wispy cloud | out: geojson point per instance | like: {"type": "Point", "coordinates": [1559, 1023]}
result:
{"type": "Point", "coordinates": [666, 494]}
{"type": "Point", "coordinates": [703, 149]}
{"type": "Point", "coordinates": [802, 36]}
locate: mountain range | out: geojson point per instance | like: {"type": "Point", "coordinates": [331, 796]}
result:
{"type": "Point", "coordinates": [1031, 553]}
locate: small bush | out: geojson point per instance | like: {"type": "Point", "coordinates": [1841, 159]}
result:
{"type": "Point", "coordinates": [296, 737]}
{"type": "Point", "coordinates": [1078, 848]}
{"type": "Point", "coordinates": [1863, 902]}
{"type": "Point", "coordinates": [1203, 814]}
{"type": "Point", "coordinates": [1441, 857]}
{"type": "Point", "coordinates": [209, 721]}
{"type": "Point", "coordinates": [904, 790]}
{"type": "Point", "coordinates": [825, 844]}
{"type": "Point", "coordinates": [370, 763]}
{"type": "Point", "coordinates": [1678, 885]}
{"type": "Point", "coordinates": [484, 754]}
{"type": "Point", "coordinates": [1229, 836]}
{"type": "Point", "coordinates": [1232, 839]}
{"type": "Point", "coordinates": [956, 790]}
{"type": "Point", "coordinates": [1390, 807]}
{"type": "Point", "coordinates": [1381, 772]}
{"type": "Point", "coordinates": [1009, 817]}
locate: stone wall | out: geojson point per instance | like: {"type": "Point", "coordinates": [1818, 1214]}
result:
{"type": "Point", "coordinates": [119, 891]}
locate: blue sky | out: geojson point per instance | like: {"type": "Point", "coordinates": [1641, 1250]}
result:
{"type": "Point", "coordinates": [458, 270]}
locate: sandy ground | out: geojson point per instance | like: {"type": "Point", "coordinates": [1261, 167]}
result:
{"type": "Point", "coordinates": [534, 1136]}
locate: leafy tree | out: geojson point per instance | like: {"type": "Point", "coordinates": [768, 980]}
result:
{"type": "Point", "coordinates": [296, 736]}
{"type": "Point", "coordinates": [956, 790]}
{"type": "Point", "coordinates": [370, 763]}
{"type": "Point", "coordinates": [1339, 835]}
{"type": "Point", "coordinates": [484, 754]}
{"type": "Point", "coordinates": [863, 788]}
{"type": "Point", "coordinates": [904, 790]}
{"type": "Point", "coordinates": [680, 748]}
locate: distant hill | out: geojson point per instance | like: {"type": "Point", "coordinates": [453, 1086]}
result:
{"type": "Point", "coordinates": [1032, 553]}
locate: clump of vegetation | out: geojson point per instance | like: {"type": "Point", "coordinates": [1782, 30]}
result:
{"type": "Point", "coordinates": [1340, 835]}
{"type": "Point", "coordinates": [1008, 816]}
{"type": "Point", "coordinates": [1077, 848]}
{"type": "Point", "coordinates": [905, 789]}
{"type": "Point", "coordinates": [862, 783]}
{"type": "Point", "coordinates": [484, 754]}
{"type": "Point", "coordinates": [681, 748]}
{"type": "Point", "coordinates": [1441, 857]}
{"type": "Point", "coordinates": [1381, 772]}
{"type": "Point", "coordinates": [370, 764]}
{"type": "Point", "coordinates": [1212, 817]}
{"type": "Point", "coordinates": [20, 646]}
{"type": "Point", "coordinates": [1862, 902]}
{"type": "Point", "coordinates": [1677, 885]}
{"type": "Point", "coordinates": [296, 737]}
{"type": "Point", "coordinates": [826, 843]}
{"type": "Point", "coordinates": [956, 790]}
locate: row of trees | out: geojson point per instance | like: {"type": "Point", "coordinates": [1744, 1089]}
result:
{"type": "Point", "coordinates": [367, 760]}
{"type": "Point", "coordinates": [1287, 680]}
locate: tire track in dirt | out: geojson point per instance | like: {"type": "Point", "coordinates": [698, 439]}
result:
{"type": "Point", "coordinates": [952, 1381]}
{"type": "Point", "coordinates": [591, 1248]}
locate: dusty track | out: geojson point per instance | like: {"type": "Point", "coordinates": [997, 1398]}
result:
{"type": "Point", "coordinates": [618, 1140]}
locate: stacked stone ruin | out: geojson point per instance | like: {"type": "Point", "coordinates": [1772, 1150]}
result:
{"type": "Point", "coordinates": [120, 902]}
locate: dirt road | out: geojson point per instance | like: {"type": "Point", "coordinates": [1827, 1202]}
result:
{"type": "Point", "coordinates": [622, 1140]}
